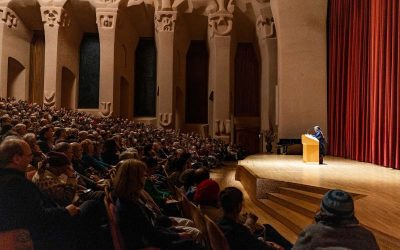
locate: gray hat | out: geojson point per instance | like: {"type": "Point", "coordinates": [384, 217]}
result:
{"type": "Point", "coordinates": [338, 202]}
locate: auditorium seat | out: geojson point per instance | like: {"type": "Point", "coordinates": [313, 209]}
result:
{"type": "Point", "coordinates": [16, 239]}
{"type": "Point", "coordinates": [116, 235]}
{"type": "Point", "coordinates": [118, 242]}
{"type": "Point", "coordinates": [216, 236]}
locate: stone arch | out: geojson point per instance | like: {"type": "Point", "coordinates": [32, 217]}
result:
{"type": "Point", "coordinates": [68, 93]}
{"type": "Point", "coordinates": [16, 84]}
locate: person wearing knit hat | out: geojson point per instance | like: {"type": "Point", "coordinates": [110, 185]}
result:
{"type": "Point", "coordinates": [338, 203]}
{"type": "Point", "coordinates": [57, 179]}
{"type": "Point", "coordinates": [336, 226]}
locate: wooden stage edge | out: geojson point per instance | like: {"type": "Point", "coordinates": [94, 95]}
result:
{"type": "Point", "coordinates": [290, 191]}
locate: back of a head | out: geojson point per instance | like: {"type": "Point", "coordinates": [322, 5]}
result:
{"type": "Point", "coordinates": [201, 174]}
{"type": "Point", "coordinates": [230, 199]}
{"type": "Point", "coordinates": [128, 178]}
{"type": "Point", "coordinates": [188, 177]}
{"type": "Point", "coordinates": [56, 160]}
{"type": "Point", "coordinates": [338, 203]}
{"type": "Point", "coordinates": [110, 146]}
{"type": "Point", "coordinates": [129, 154]}
{"type": "Point", "coordinates": [43, 130]}
{"type": "Point", "coordinates": [62, 147]}
{"type": "Point", "coordinates": [337, 208]}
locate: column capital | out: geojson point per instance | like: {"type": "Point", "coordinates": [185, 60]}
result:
{"type": "Point", "coordinates": [164, 20]}
{"type": "Point", "coordinates": [107, 3]}
{"type": "Point", "coordinates": [8, 17]}
{"type": "Point", "coordinates": [106, 18]}
{"type": "Point", "coordinates": [220, 24]}
{"type": "Point", "coordinates": [265, 27]}
{"type": "Point", "coordinates": [55, 16]}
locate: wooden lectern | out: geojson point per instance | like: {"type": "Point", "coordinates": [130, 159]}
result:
{"type": "Point", "coordinates": [310, 149]}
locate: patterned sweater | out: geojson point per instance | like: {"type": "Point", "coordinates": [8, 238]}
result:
{"type": "Point", "coordinates": [62, 191]}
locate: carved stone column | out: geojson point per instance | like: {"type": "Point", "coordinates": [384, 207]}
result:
{"type": "Point", "coordinates": [164, 22]}
{"type": "Point", "coordinates": [266, 34]}
{"type": "Point", "coordinates": [54, 19]}
{"type": "Point", "coordinates": [11, 29]}
{"type": "Point", "coordinates": [220, 43]}
{"type": "Point", "coordinates": [107, 24]}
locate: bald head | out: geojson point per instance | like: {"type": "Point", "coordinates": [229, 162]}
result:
{"type": "Point", "coordinates": [15, 153]}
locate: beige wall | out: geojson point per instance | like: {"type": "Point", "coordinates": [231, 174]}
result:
{"type": "Point", "coordinates": [15, 43]}
{"type": "Point", "coordinates": [302, 75]}
{"type": "Point", "coordinates": [70, 41]}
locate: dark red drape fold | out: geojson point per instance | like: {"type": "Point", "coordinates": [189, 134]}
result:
{"type": "Point", "coordinates": [363, 79]}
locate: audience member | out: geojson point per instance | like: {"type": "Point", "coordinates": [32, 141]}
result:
{"type": "Point", "coordinates": [239, 236]}
{"type": "Point", "coordinates": [207, 190]}
{"type": "Point", "coordinates": [22, 205]}
{"type": "Point", "coordinates": [136, 221]}
{"type": "Point", "coordinates": [336, 226]}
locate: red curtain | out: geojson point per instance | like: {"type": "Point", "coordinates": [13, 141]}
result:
{"type": "Point", "coordinates": [363, 79]}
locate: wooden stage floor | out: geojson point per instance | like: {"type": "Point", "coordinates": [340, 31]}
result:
{"type": "Point", "coordinates": [376, 188]}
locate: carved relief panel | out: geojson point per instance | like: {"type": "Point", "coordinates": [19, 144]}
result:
{"type": "Point", "coordinates": [265, 27]}
{"type": "Point", "coordinates": [105, 109]}
{"type": "Point", "coordinates": [55, 17]}
{"type": "Point", "coordinates": [165, 21]}
{"type": "Point", "coordinates": [8, 17]}
{"type": "Point", "coordinates": [165, 119]}
{"type": "Point", "coordinates": [220, 24]}
{"type": "Point", "coordinates": [49, 98]}
{"type": "Point", "coordinates": [106, 20]}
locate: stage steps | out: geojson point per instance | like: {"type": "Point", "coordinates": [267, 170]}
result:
{"type": "Point", "coordinates": [293, 203]}
{"type": "Point", "coordinates": [293, 220]}
{"type": "Point", "coordinates": [295, 209]}
{"type": "Point", "coordinates": [311, 197]}
{"type": "Point", "coordinates": [290, 204]}
{"type": "Point", "coordinates": [297, 201]}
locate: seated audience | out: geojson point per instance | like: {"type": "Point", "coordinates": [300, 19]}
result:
{"type": "Point", "coordinates": [239, 236]}
{"type": "Point", "coordinates": [37, 154]}
{"type": "Point", "coordinates": [336, 226]}
{"type": "Point", "coordinates": [57, 179]}
{"type": "Point", "coordinates": [89, 159]}
{"type": "Point", "coordinates": [136, 221]}
{"type": "Point", "coordinates": [46, 139]}
{"type": "Point", "coordinates": [110, 153]}
{"type": "Point", "coordinates": [207, 190]}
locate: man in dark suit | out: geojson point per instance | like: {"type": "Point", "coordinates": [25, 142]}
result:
{"type": "Point", "coordinates": [23, 206]}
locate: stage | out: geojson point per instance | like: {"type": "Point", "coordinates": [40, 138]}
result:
{"type": "Point", "coordinates": [290, 190]}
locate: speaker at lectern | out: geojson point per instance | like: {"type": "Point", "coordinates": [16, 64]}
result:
{"type": "Point", "coordinates": [310, 148]}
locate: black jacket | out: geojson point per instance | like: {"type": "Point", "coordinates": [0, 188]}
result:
{"type": "Point", "coordinates": [23, 206]}
{"type": "Point", "coordinates": [239, 236]}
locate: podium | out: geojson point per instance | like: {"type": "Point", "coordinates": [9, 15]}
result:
{"type": "Point", "coordinates": [310, 149]}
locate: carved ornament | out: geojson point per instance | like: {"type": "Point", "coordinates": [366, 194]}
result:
{"type": "Point", "coordinates": [8, 17]}
{"type": "Point", "coordinates": [105, 109]}
{"type": "Point", "coordinates": [165, 21]}
{"type": "Point", "coordinates": [165, 119]}
{"type": "Point", "coordinates": [106, 19]}
{"type": "Point", "coordinates": [49, 98]}
{"type": "Point", "coordinates": [225, 6]}
{"type": "Point", "coordinates": [55, 17]}
{"type": "Point", "coordinates": [220, 24]}
{"type": "Point", "coordinates": [265, 27]}
{"type": "Point", "coordinates": [222, 127]}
